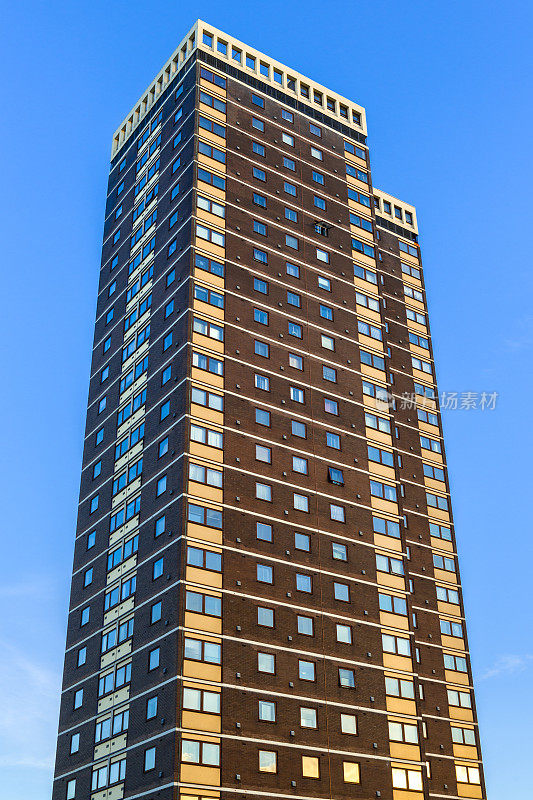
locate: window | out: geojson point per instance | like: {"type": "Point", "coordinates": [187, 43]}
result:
{"type": "Point", "coordinates": [259, 200]}
{"type": "Point", "coordinates": [306, 670]}
{"type": "Point", "coordinates": [260, 174]}
{"type": "Point", "coordinates": [260, 255]}
{"type": "Point", "coordinates": [158, 569]}
{"type": "Point", "coordinates": [262, 382]}
{"type": "Point", "coordinates": [256, 100]}
{"type": "Point", "coordinates": [153, 658]}
{"type": "Point", "coordinates": [78, 698]}
{"type": "Point", "coordinates": [335, 476]}
{"type": "Point", "coordinates": [394, 566]}
{"type": "Point", "coordinates": [331, 406]}
{"type": "Point", "coordinates": [295, 361]}
{"type": "Point", "coordinates": [392, 604]}
{"type": "Point", "coordinates": [314, 129]}
{"type": "Point", "coordinates": [319, 202]}
{"type": "Point", "coordinates": [294, 299]}
{"type": "Point", "coordinates": [344, 634]}
{"type": "Point", "coordinates": [351, 772]}
{"type": "Point", "coordinates": [257, 148]}
{"type": "Point", "coordinates": [459, 699]}
{"type": "Point", "coordinates": [85, 614]}
{"type": "Point", "coordinates": [206, 475]}
{"type": "Point", "coordinates": [403, 732]}
{"type": "Point", "coordinates": [149, 759]}
{"type": "Point", "coordinates": [297, 394]}
{"type": "Point", "coordinates": [406, 779]}
{"type": "Point", "coordinates": [209, 265]}
{"type": "Point", "coordinates": [443, 562]}
{"type": "Point", "coordinates": [310, 767]}
{"type": "Point", "coordinates": [265, 574]}
{"type": "Point", "coordinates": [265, 616]}
{"type": "Point", "coordinates": [202, 515]}
{"type": "Point", "coordinates": [74, 743]}
{"type": "Point", "coordinates": [261, 349]}
{"type": "Point", "coordinates": [71, 789]}
{"type": "Point", "coordinates": [326, 312]}
{"type": "Point", "coordinates": [298, 429]}
{"type": "Point", "coordinates": [289, 188]}
{"type": "Point", "coordinates": [207, 399]}
{"type": "Point", "coordinates": [263, 453]}
{"type": "Point", "coordinates": [155, 613]}
{"type": "Point", "coordinates": [304, 583]}
{"type": "Point", "coordinates": [266, 663]}
{"type": "Point", "coordinates": [203, 604]}
{"type": "Point", "coordinates": [206, 753]}
{"type": "Point", "coordinates": [333, 440]}
{"type": "Point", "coordinates": [447, 595]}
{"type": "Point", "coordinates": [161, 485]}
{"type": "Point", "coordinates": [260, 227]}
{"type": "Point", "coordinates": [329, 374]}
{"type": "Point", "coordinates": [308, 718]}
{"type": "Point", "coordinates": [463, 736]}
{"type": "Point", "coordinates": [302, 541]}
{"type": "Point", "coordinates": [262, 417]}
{"type": "Point", "coordinates": [207, 177]}
{"type": "Point", "coordinates": [397, 687]}
{"type": "Point", "coordinates": [339, 552]}
{"type": "Point", "coordinates": [341, 592]}
{"type": "Point", "coordinates": [349, 724]}
{"type": "Point", "coordinates": [299, 464]}
{"type": "Point", "coordinates": [82, 656]}
{"type": "Point", "coordinates": [287, 115]}
{"type": "Point", "coordinates": [295, 330]}
{"type": "Point", "coordinates": [316, 153]}
{"type": "Point", "coordinates": [206, 559]}
{"type": "Point", "coordinates": [258, 124]}
{"type": "Point", "coordinates": [199, 650]}
{"type": "Point", "coordinates": [291, 215]}
{"type": "Point", "coordinates": [260, 286]}
{"type": "Point", "coordinates": [263, 492]}
{"type": "Point", "coordinates": [210, 235]}
{"type": "Point", "coordinates": [408, 248]}
{"type": "Point", "coordinates": [337, 513]}
{"type": "Point", "coordinates": [207, 436]}
{"type": "Point", "coordinates": [455, 663]}
{"type": "Point", "coordinates": [377, 423]}
{"type": "Point", "coordinates": [286, 138]}
{"type": "Point", "coordinates": [450, 628]}
{"type": "Point", "coordinates": [466, 774]}
{"type": "Point", "coordinates": [396, 645]}
{"type": "Point", "coordinates": [346, 678]}
{"type": "Point", "coordinates": [327, 342]}
{"type": "Point", "coordinates": [305, 625]}
{"type": "Point", "coordinates": [301, 502]}
{"type": "Point", "coordinates": [267, 711]}
{"type": "Point", "coordinates": [268, 761]}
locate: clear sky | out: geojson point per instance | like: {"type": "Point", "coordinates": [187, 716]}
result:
{"type": "Point", "coordinates": [447, 88]}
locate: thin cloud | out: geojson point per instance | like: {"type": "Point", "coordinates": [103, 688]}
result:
{"type": "Point", "coordinates": [507, 665]}
{"type": "Point", "coordinates": [29, 693]}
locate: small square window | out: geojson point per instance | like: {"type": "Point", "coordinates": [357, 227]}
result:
{"type": "Point", "coordinates": [265, 617]}
{"type": "Point", "coordinates": [264, 531]}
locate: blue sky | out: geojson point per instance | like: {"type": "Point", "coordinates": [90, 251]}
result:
{"type": "Point", "coordinates": [447, 92]}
